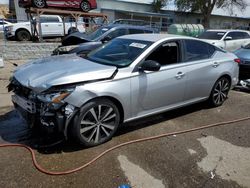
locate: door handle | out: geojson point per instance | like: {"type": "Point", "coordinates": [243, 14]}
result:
{"type": "Point", "coordinates": [179, 75]}
{"type": "Point", "coordinates": [215, 64]}
{"type": "Point", "coordinates": [59, 24]}
{"type": "Point", "coordinates": [46, 25]}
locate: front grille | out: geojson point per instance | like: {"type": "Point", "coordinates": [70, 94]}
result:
{"type": "Point", "coordinates": [18, 88]}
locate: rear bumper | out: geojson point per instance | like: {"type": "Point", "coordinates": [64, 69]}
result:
{"type": "Point", "coordinates": [244, 72]}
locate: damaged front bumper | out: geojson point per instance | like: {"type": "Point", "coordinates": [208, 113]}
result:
{"type": "Point", "coordinates": [48, 118]}
{"type": "Point", "coordinates": [46, 111]}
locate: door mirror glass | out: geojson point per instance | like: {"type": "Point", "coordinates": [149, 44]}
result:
{"type": "Point", "coordinates": [228, 38]}
{"type": "Point", "coordinates": [150, 65]}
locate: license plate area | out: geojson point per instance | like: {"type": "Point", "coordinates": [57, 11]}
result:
{"type": "Point", "coordinates": [24, 103]}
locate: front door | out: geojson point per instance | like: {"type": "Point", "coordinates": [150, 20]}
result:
{"type": "Point", "coordinates": [155, 91]}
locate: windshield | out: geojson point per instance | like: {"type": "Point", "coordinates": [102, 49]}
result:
{"type": "Point", "coordinates": [119, 52]}
{"type": "Point", "coordinates": [98, 33]}
{"type": "Point", "coordinates": [212, 35]}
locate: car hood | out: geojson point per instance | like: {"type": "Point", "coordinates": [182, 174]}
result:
{"type": "Point", "coordinates": [75, 38]}
{"type": "Point", "coordinates": [42, 74]}
{"type": "Point", "coordinates": [243, 53]}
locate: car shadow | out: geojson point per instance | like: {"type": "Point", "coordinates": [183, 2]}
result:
{"type": "Point", "coordinates": [15, 130]}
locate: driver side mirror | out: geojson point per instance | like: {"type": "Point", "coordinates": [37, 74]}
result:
{"type": "Point", "coordinates": [228, 38]}
{"type": "Point", "coordinates": [150, 65]}
{"type": "Point", "coordinates": [106, 39]}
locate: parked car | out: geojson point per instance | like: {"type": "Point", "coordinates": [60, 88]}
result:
{"type": "Point", "coordinates": [227, 39]}
{"type": "Point", "coordinates": [84, 5]}
{"type": "Point", "coordinates": [4, 24]}
{"type": "Point", "coordinates": [52, 26]}
{"type": "Point", "coordinates": [82, 43]}
{"type": "Point", "coordinates": [130, 77]}
{"type": "Point", "coordinates": [244, 55]}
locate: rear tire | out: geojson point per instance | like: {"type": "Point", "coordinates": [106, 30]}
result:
{"type": "Point", "coordinates": [23, 35]}
{"type": "Point", "coordinates": [85, 6]}
{"type": "Point", "coordinates": [96, 122]}
{"type": "Point", "coordinates": [219, 92]}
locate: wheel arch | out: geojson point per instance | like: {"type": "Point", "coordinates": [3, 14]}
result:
{"type": "Point", "coordinates": [112, 99]}
{"type": "Point", "coordinates": [226, 75]}
{"type": "Point", "coordinates": [115, 101]}
{"type": "Point", "coordinates": [22, 29]}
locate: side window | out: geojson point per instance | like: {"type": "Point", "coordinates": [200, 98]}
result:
{"type": "Point", "coordinates": [245, 35]}
{"type": "Point", "coordinates": [148, 31]}
{"type": "Point", "coordinates": [135, 31]}
{"type": "Point", "coordinates": [197, 50]}
{"type": "Point", "coordinates": [236, 35]}
{"type": "Point", "coordinates": [43, 19]}
{"type": "Point", "coordinates": [52, 19]}
{"type": "Point", "coordinates": [166, 54]}
{"type": "Point", "coordinates": [1, 23]}
{"type": "Point", "coordinates": [117, 33]}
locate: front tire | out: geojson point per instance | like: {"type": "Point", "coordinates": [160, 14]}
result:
{"type": "Point", "coordinates": [23, 35]}
{"type": "Point", "coordinates": [96, 122]}
{"type": "Point", "coordinates": [85, 6]}
{"type": "Point", "coordinates": [219, 92]}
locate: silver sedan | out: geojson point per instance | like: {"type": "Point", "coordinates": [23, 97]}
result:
{"type": "Point", "coordinates": [128, 78]}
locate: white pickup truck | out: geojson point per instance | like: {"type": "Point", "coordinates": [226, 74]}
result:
{"type": "Point", "coordinates": [52, 26]}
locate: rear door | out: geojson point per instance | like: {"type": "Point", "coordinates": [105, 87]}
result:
{"type": "Point", "coordinates": [52, 26]}
{"type": "Point", "coordinates": [201, 69]}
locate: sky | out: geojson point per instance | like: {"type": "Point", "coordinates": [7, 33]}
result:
{"type": "Point", "coordinates": [4, 1]}
{"type": "Point", "coordinates": [216, 11]}
{"type": "Point", "coordinates": [171, 6]}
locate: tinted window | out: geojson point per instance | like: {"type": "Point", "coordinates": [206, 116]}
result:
{"type": "Point", "coordinates": [212, 35]}
{"type": "Point", "coordinates": [1, 23]}
{"type": "Point", "coordinates": [49, 19]}
{"type": "Point", "coordinates": [197, 50]}
{"type": "Point", "coordinates": [135, 31]}
{"type": "Point", "coordinates": [238, 35]}
{"type": "Point", "coordinates": [117, 33]}
{"type": "Point", "coordinates": [245, 35]}
{"type": "Point", "coordinates": [148, 31]}
{"type": "Point", "coordinates": [166, 54]}
{"type": "Point", "coordinates": [52, 19]}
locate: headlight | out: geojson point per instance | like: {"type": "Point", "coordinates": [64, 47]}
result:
{"type": "Point", "coordinates": [56, 97]}
{"type": "Point", "coordinates": [8, 28]}
{"type": "Point", "coordinates": [66, 48]}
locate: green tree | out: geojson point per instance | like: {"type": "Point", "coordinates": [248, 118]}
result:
{"type": "Point", "coordinates": [205, 7]}
{"type": "Point", "coordinates": [158, 4]}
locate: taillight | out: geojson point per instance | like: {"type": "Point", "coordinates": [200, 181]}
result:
{"type": "Point", "coordinates": [237, 61]}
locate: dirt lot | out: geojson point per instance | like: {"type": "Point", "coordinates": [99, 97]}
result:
{"type": "Point", "coordinates": [216, 157]}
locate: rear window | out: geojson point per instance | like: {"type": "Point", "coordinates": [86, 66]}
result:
{"type": "Point", "coordinates": [137, 31]}
{"type": "Point", "coordinates": [198, 50]}
{"type": "Point", "coordinates": [212, 35]}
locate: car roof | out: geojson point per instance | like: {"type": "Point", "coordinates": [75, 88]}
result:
{"type": "Point", "coordinates": [155, 37]}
